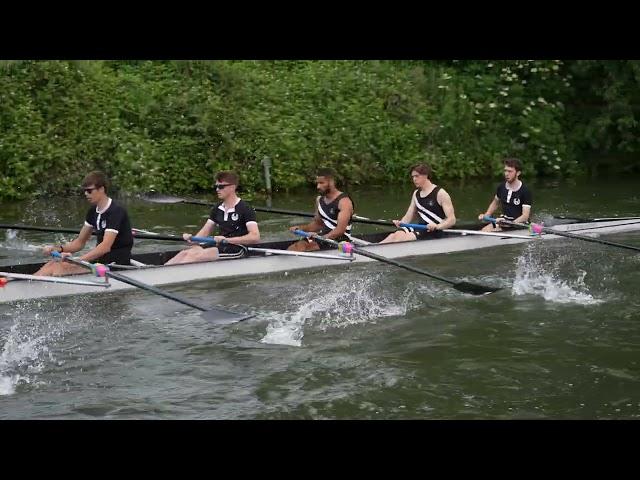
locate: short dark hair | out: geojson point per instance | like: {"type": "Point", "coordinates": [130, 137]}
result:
{"type": "Point", "coordinates": [229, 177]}
{"type": "Point", "coordinates": [422, 169]}
{"type": "Point", "coordinates": [326, 172]}
{"type": "Point", "coordinates": [513, 163]}
{"type": "Point", "coordinates": [97, 179]}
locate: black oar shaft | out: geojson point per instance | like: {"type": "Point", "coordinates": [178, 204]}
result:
{"type": "Point", "coordinates": [215, 314]}
{"type": "Point", "coordinates": [155, 290]}
{"type": "Point", "coordinates": [141, 235]}
{"type": "Point", "coordinates": [553, 231]}
{"type": "Point", "coordinates": [466, 287]}
{"type": "Point", "coordinates": [590, 239]}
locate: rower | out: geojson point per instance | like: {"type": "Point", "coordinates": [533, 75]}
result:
{"type": "Point", "coordinates": [430, 203]}
{"type": "Point", "coordinates": [110, 221]}
{"type": "Point", "coordinates": [513, 196]}
{"type": "Point", "coordinates": [332, 217]}
{"type": "Point", "coordinates": [235, 218]}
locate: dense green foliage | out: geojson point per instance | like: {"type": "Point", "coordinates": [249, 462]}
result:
{"type": "Point", "coordinates": [169, 125]}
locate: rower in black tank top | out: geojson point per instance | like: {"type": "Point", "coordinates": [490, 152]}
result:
{"type": "Point", "coordinates": [329, 215]}
{"type": "Point", "coordinates": [430, 211]}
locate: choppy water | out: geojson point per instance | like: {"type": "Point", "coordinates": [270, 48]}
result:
{"type": "Point", "coordinates": [561, 340]}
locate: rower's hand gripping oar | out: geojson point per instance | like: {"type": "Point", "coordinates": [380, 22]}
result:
{"type": "Point", "coordinates": [347, 247]}
{"type": "Point", "coordinates": [216, 315]}
{"type": "Point", "coordinates": [538, 228]}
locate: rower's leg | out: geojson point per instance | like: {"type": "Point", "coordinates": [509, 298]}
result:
{"type": "Point", "coordinates": [304, 245]}
{"type": "Point", "coordinates": [400, 236]}
{"type": "Point", "coordinates": [59, 269]}
{"type": "Point", "coordinates": [489, 228]}
{"type": "Point", "coordinates": [194, 254]}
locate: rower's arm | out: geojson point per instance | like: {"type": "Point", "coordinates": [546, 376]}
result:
{"type": "Point", "coordinates": [250, 238]}
{"type": "Point", "coordinates": [447, 205]}
{"type": "Point", "coordinates": [411, 212]}
{"type": "Point", "coordinates": [206, 229]}
{"type": "Point", "coordinates": [493, 206]}
{"type": "Point", "coordinates": [314, 225]}
{"type": "Point", "coordinates": [526, 212]}
{"type": "Point", "coordinates": [102, 248]}
{"type": "Point", "coordinates": [344, 217]}
{"type": "Point", "coordinates": [80, 241]}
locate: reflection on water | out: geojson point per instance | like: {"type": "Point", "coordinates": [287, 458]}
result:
{"type": "Point", "coordinates": [561, 340]}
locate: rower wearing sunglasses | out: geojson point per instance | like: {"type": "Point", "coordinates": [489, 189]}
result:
{"type": "Point", "coordinates": [108, 219]}
{"type": "Point", "coordinates": [235, 219]}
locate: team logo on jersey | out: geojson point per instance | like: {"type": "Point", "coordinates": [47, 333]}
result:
{"type": "Point", "coordinates": [104, 224]}
{"type": "Point", "coordinates": [516, 201]}
{"type": "Point", "coordinates": [234, 216]}
{"type": "Point", "coordinates": [430, 203]}
{"type": "Point", "coordinates": [332, 211]}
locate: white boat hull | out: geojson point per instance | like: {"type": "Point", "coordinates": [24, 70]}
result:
{"type": "Point", "coordinates": [255, 265]}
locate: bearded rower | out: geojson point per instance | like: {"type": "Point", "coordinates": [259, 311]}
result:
{"type": "Point", "coordinates": [430, 203]}
{"type": "Point", "coordinates": [111, 222]}
{"type": "Point", "coordinates": [513, 196]}
{"type": "Point", "coordinates": [333, 214]}
{"type": "Point", "coordinates": [235, 218]}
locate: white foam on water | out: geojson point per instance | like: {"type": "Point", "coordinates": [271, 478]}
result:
{"type": "Point", "coordinates": [14, 243]}
{"type": "Point", "coordinates": [343, 300]}
{"type": "Point", "coordinates": [25, 346]}
{"type": "Point", "coordinates": [20, 351]}
{"type": "Point", "coordinates": [533, 277]}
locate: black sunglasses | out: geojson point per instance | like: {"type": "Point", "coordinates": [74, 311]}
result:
{"type": "Point", "coordinates": [89, 190]}
{"type": "Point", "coordinates": [220, 186]}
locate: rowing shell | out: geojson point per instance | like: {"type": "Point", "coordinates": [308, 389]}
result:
{"type": "Point", "coordinates": [155, 273]}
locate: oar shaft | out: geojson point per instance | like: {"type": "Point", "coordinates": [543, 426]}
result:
{"type": "Point", "coordinates": [134, 232]}
{"type": "Point", "coordinates": [155, 290]}
{"type": "Point", "coordinates": [380, 258]}
{"type": "Point", "coordinates": [419, 226]}
{"type": "Point", "coordinates": [132, 282]}
{"type": "Point", "coordinates": [39, 278]}
{"type": "Point", "coordinates": [540, 228]}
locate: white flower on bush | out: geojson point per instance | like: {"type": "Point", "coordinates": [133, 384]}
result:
{"type": "Point", "coordinates": [492, 105]}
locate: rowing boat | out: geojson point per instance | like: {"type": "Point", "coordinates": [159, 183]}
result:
{"type": "Point", "coordinates": [149, 268]}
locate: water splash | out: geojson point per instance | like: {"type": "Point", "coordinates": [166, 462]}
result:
{"type": "Point", "coordinates": [26, 345]}
{"type": "Point", "coordinates": [21, 353]}
{"type": "Point", "coordinates": [343, 300]}
{"type": "Point", "coordinates": [13, 242]}
{"type": "Point", "coordinates": [537, 275]}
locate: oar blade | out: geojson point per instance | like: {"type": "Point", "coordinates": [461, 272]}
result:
{"type": "Point", "coordinates": [156, 197]}
{"type": "Point", "coordinates": [224, 317]}
{"type": "Point", "coordinates": [475, 289]}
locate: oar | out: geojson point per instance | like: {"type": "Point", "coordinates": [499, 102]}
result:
{"type": "Point", "coordinates": [134, 231]}
{"type": "Point", "coordinates": [216, 315]}
{"type": "Point", "coordinates": [465, 287]}
{"type": "Point", "coordinates": [589, 220]}
{"type": "Point", "coordinates": [273, 251]}
{"type": "Point", "coordinates": [538, 228]}
{"type": "Point", "coordinates": [39, 278]}
{"type": "Point", "coordinates": [159, 198]}
{"type": "Point", "coordinates": [420, 226]}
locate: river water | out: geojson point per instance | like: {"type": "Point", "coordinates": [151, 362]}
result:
{"type": "Point", "coordinates": [560, 341]}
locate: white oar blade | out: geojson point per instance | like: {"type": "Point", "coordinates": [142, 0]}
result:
{"type": "Point", "coordinates": [223, 317]}
{"type": "Point", "coordinates": [160, 198]}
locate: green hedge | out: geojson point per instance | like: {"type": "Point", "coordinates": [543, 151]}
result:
{"type": "Point", "coordinates": [169, 125]}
